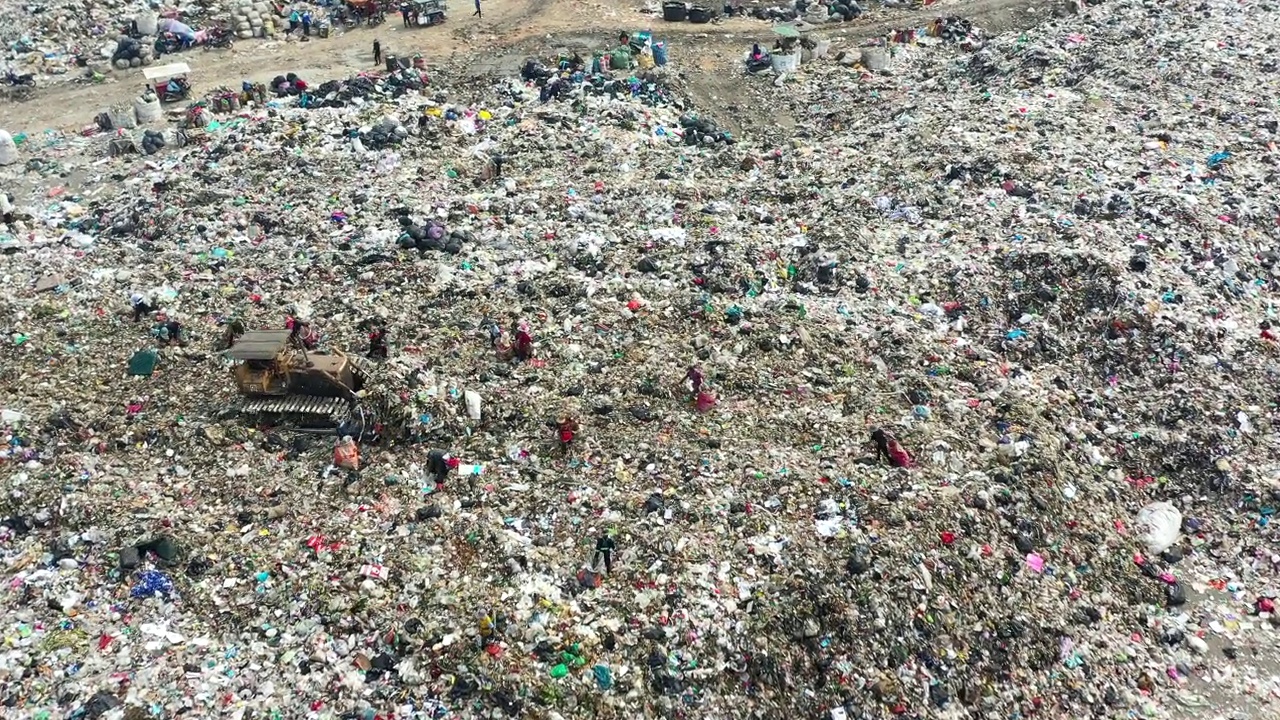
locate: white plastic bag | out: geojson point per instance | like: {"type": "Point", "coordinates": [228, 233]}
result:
{"type": "Point", "coordinates": [8, 149]}
{"type": "Point", "coordinates": [147, 109]}
{"type": "Point", "coordinates": [473, 404]}
{"type": "Point", "coordinates": [1159, 524]}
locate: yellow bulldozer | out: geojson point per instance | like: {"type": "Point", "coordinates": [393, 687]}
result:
{"type": "Point", "coordinates": [282, 383]}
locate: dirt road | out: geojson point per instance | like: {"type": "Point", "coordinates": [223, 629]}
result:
{"type": "Point", "coordinates": [508, 30]}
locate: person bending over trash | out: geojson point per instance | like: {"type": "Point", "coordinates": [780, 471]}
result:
{"type": "Point", "coordinates": [889, 448]}
{"type": "Point", "coordinates": [169, 332]}
{"type": "Point", "coordinates": [694, 376]}
{"type": "Point", "coordinates": [141, 306]}
{"type": "Point", "coordinates": [523, 345]}
{"type": "Point", "coordinates": [567, 432]}
{"type": "Point", "coordinates": [235, 328]}
{"type": "Point", "coordinates": [439, 463]}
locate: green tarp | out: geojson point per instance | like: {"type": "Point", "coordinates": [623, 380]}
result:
{"type": "Point", "coordinates": [143, 362]}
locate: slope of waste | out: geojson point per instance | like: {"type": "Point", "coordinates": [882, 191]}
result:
{"type": "Point", "coordinates": [957, 402]}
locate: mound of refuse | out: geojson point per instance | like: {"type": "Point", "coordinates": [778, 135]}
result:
{"type": "Point", "coordinates": [952, 397]}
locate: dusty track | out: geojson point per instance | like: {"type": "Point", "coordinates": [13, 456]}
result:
{"type": "Point", "coordinates": [508, 29]}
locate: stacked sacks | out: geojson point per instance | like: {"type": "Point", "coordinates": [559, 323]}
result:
{"type": "Point", "coordinates": [340, 93]}
{"type": "Point", "coordinates": [129, 53]}
{"type": "Point", "coordinates": [251, 19]}
{"type": "Point", "coordinates": [776, 14]}
{"type": "Point", "coordinates": [401, 82]}
{"type": "Point", "coordinates": [955, 29]}
{"type": "Point", "coordinates": [845, 10]}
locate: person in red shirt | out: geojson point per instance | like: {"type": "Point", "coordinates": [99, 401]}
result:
{"type": "Point", "coordinates": [567, 431]}
{"type": "Point", "coordinates": [892, 450]}
{"type": "Point", "coordinates": [301, 331]}
{"type": "Point", "coordinates": [524, 345]}
{"type": "Point", "coordinates": [378, 343]}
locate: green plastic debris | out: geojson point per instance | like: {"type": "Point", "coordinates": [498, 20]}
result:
{"type": "Point", "coordinates": [604, 676]}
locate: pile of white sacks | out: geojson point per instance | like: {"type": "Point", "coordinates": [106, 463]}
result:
{"type": "Point", "coordinates": [252, 19]}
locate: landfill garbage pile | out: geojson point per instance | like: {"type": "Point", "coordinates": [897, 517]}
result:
{"type": "Point", "coordinates": [570, 84]}
{"type": "Point", "coordinates": [365, 87]}
{"type": "Point", "coordinates": [47, 37]}
{"type": "Point", "coordinates": [55, 37]}
{"type": "Point", "coordinates": [956, 400]}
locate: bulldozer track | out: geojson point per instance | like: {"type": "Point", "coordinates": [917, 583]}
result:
{"type": "Point", "coordinates": [325, 407]}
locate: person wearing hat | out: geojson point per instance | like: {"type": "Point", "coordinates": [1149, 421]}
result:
{"type": "Point", "coordinates": [439, 463]}
{"type": "Point", "coordinates": [346, 456]}
{"type": "Point", "coordinates": [170, 331]}
{"type": "Point", "coordinates": [141, 306]}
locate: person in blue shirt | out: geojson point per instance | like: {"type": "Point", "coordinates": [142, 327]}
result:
{"type": "Point", "coordinates": [306, 24]}
{"type": "Point", "coordinates": [477, 12]}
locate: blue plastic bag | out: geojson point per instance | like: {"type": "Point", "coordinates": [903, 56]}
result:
{"type": "Point", "coordinates": [152, 582]}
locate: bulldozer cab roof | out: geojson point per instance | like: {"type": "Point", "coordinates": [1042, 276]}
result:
{"type": "Point", "coordinates": [326, 363]}
{"type": "Point", "coordinates": [259, 345]}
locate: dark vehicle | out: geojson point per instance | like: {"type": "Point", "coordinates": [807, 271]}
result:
{"type": "Point", "coordinates": [219, 39]}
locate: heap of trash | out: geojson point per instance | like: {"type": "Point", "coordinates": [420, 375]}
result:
{"type": "Point", "coordinates": [951, 396]}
